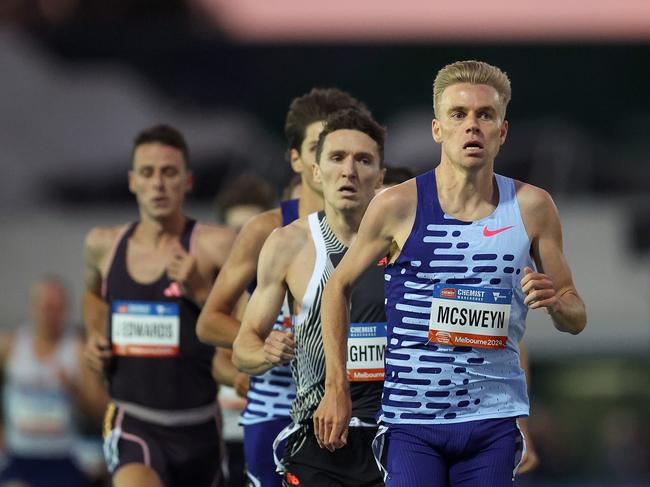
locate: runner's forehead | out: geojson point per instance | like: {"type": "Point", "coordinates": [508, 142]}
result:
{"type": "Point", "coordinates": [467, 95]}
{"type": "Point", "coordinates": [155, 154]}
{"type": "Point", "coordinates": [350, 141]}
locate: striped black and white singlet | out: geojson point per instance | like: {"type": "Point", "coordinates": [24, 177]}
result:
{"type": "Point", "coordinates": [367, 298]}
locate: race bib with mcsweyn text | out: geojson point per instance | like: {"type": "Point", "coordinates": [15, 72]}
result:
{"type": "Point", "coordinates": [470, 316]}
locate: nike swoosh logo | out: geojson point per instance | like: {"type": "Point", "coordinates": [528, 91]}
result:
{"type": "Point", "coordinates": [491, 233]}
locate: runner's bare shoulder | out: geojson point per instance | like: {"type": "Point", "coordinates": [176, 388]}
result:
{"type": "Point", "coordinates": [286, 242]}
{"type": "Point", "coordinates": [398, 201]}
{"type": "Point", "coordinates": [213, 239]}
{"type": "Point", "coordinates": [101, 240]}
{"type": "Point", "coordinates": [248, 244]}
{"type": "Point", "coordinates": [532, 198]}
{"type": "Point", "coordinates": [537, 207]}
{"type": "Point", "coordinates": [259, 227]}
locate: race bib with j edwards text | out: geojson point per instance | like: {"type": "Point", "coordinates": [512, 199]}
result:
{"type": "Point", "coordinates": [145, 329]}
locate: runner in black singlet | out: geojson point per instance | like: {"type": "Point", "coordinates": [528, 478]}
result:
{"type": "Point", "coordinates": [145, 282]}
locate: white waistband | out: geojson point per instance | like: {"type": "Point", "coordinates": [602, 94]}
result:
{"type": "Point", "coordinates": [357, 423]}
{"type": "Point", "coordinates": [183, 417]}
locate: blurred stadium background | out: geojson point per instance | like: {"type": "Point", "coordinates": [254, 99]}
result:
{"type": "Point", "coordinates": [79, 78]}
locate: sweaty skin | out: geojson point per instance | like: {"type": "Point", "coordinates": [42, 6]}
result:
{"type": "Point", "coordinates": [530, 460]}
{"type": "Point", "coordinates": [471, 130]}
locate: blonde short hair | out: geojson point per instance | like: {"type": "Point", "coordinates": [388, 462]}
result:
{"type": "Point", "coordinates": [476, 73]}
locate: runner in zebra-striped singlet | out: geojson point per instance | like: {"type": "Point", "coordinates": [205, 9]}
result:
{"type": "Point", "coordinates": [461, 243]}
{"type": "Point", "coordinates": [269, 397]}
{"type": "Point", "coordinates": [298, 259]}
{"type": "Point", "coordinates": [367, 311]}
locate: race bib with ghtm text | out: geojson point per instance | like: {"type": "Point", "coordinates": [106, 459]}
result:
{"type": "Point", "coordinates": [470, 316]}
{"type": "Point", "coordinates": [145, 329]}
{"type": "Point", "coordinates": [366, 347]}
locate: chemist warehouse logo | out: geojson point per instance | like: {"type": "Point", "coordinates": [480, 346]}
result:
{"type": "Point", "coordinates": [448, 292]}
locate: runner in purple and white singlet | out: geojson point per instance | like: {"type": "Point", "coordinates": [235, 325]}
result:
{"type": "Point", "coordinates": [469, 253]}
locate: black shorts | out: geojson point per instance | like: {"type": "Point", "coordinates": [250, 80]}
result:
{"type": "Point", "coordinates": [180, 455]}
{"type": "Point", "coordinates": [309, 465]}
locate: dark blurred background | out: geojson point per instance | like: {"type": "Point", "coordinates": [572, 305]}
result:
{"type": "Point", "coordinates": [79, 78]}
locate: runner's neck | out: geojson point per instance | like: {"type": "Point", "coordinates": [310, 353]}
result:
{"type": "Point", "coordinates": [310, 201]}
{"type": "Point", "coordinates": [155, 232]}
{"type": "Point", "coordinates": [464, 195]}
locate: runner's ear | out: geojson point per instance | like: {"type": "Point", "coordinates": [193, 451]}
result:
{"type": "Point", "coordinates": [435, 131]}
{"type": "Point", "coordinates": [317, 175]}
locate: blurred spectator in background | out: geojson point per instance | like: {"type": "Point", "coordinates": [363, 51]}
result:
{"type": "Point", "coordinates": [626, 447]}
{"type": "Point", "coordinates": [551, 436]}
{"type": "Point", "coordinates": [46, 383]}
{"type": "Point", "coordinates": [293, 189]}
{"type": "Point", "coordinates": [395, 176]}
{"type": "Point", "coordinates": [246, 196]}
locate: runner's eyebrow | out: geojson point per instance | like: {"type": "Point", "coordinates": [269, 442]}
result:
{"type": "Point", "coordinates": [359, 155]}
{"type": "Point", "coordinates": [463, 108]}
{"type": "Point", "coordinates": [337, 152]}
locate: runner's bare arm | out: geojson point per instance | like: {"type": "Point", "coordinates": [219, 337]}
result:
{"type": "Point", "coordinates": [530, 460]}
{"type": "Point", "coordinates": [216, 325]}
{"type": "Point", "coordinates": [552, 286]}
{"type": "Point", "coordinates": [98, 244]}
{"type": "Point", "coordinates": [373, 241]}
{"type": "Point", "coordinates": [195, 270]}
{"type": "Point", "coordinates": [225, 372]}
{"type": "Point", "coordinates": [257, 348]}
{"type": "Point", "coordinates": [97, 248]}
{"type": "Point", "coordinates": [89, 391]}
